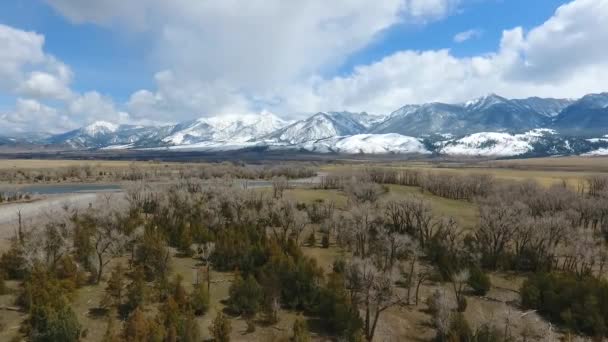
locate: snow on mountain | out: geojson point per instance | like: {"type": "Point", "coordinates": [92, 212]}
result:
{"type": "Point", "coordinates": [322, 126]}
{"type": "Point", "coordinates": [368, 144]}
{"type": "Point", "coordinates": [100, 127]}
{"type": "Point", "coordinates": [236, 128]}
{"type": "Point", "coordinates": [547, 107]}
{"type": "Point", "coordinates": [596, 153]}
{"type": "Point", "coordinates": [493, 144]}
{"type": "Point", "coordinates": [417, 120]}
{"type": "Point", "coordinates": [484, 102]}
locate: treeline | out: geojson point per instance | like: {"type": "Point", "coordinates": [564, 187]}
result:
{"type": "Point", "coordinates": [154, 171]}
{"type": "Point", "coordinates": [14, 196]}
{"type": "Point", "coordinates": [448, 185]}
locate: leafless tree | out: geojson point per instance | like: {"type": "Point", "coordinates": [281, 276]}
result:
{"type": "Point", "coordinates": [373, 289]}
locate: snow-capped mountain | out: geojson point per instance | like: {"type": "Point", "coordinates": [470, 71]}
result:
{"type": "Point", "coordinates": [323, 126]}
{"type": "Point", "coordinates": [234, 128]}
{"type": "Point", "coordinates": [416, 120]}
{"type": "Point", "coordinates": [487, 126]}
{"type": "Point", "coordinates": [493, 143]}
{"type": "Point", "coordinates": [368, 144]}
{"type": "Point", "coordinates": [487, 113]}
{"type": "Point", "coordinates": [103, 134]}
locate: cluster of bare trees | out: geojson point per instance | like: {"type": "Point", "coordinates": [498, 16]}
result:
{"type": "Point", "coordinates": [154, 171]}
{"type": "Point", "coordinates": [448, 185]}
{"type": "Point", "coordinates": [528, 227]}
{"type": "Point", "coordinates": [14, 196]}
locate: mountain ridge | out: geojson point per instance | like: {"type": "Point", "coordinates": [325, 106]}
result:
{"type": "Point", "coordinates": [490, 117]}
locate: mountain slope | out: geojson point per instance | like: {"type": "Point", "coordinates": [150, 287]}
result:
{"type": "Point", "coordinates": [487, 113]}
{"type": "Point", "coordinates": [238, 128]}
{"type": "Point", "coordinates": [587, 116]}
{"type": "Point", "coordinates": [323, 126]}
{"type": "Point", "coordinates": [413, 120]}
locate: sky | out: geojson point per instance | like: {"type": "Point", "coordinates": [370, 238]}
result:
{"type": "Point", "coordinates": [67, 63]}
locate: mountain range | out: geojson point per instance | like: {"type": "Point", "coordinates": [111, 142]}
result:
{"type": "Point", "coordinates": [487, 126]}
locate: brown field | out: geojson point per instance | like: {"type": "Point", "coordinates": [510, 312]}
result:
{"type": "Point", "coordinates": [546, 171]}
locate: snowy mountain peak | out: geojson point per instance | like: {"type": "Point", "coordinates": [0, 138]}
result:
{"type": "Point", "coordinates": [484, 101]}
{"type": "Point", "coordinates": [237, 128]}
{"type": "Point", "coordinates": [100, 127]}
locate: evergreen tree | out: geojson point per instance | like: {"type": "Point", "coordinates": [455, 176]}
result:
{"type": "Point", "coordinates": [245, 296]}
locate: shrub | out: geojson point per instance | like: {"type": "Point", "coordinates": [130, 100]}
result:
{"type": "Point", "coordinates": [479, 282]}
{"type": "Point", "coordinates": [578, 303]}
{"type": "Point", "coordinates": [220, 328]}
{"type": "Point", "coordinates": [459, 329]}
{"type": "Point", "coordinates": [245, 296]}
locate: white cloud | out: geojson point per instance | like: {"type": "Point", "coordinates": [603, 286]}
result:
{"type": "Point", "coordinates": [25, 69]}
{"type": "Point", "coordinates": [224, 55]}
{"type": "Point", "coordinates": [30, 115]}
{"type": "Point", "coordinates": [44, 85]}
{"type": "Point", "coordinates": [462, 37]}
{"type": "Point", "coordinates": [564, 57]}
{"type": "Point", "coordinates": [237, 56]}
{"type": "Point", "coordinates": [92, 106]}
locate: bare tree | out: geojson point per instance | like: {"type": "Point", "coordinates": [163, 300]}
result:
{"type": "Point", "coordinates": [279, 185]}
{"type": "Point", "coordinates": [373, 289]}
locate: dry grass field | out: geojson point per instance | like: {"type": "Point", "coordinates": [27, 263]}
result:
{"type": "Point", "coordinates": [546, 171]}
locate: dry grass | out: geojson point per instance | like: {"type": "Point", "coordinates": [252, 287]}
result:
{"type": "Point", "coordinates": [546, 171]}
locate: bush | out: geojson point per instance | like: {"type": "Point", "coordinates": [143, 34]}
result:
{"type": "Point", "coordinates": [459, 329]}
{"type": "Point", "coordinates": [245, 296]}
{"type": "Point", "coordinates": [581, 304]}
{"type": "Point", "coordinates": [479, 282]}
{"type": "Point", "coordinates": [220, 328]}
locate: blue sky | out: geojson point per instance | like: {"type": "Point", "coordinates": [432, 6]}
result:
{"type": "Point", "coordinates": [153, 61]}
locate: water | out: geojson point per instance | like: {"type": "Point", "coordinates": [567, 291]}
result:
{"type": "Point", "coordinates": [55, 189]}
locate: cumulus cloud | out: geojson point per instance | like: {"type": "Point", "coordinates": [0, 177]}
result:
{"type": "Point", "coordinates": [92, 106]}
{"type": "Point", "coordinates": [37, 78]}
{"type": "Point", "coordinates": [462, 37]}
{"type": "Point", "coordinates": [222, 56]}
{"type": "Point", "coordinates": [237, 56]}
{"type": "Point", "coordinates": [29, 115]}
{"type": "Point", "coordinates": [563, 57]}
